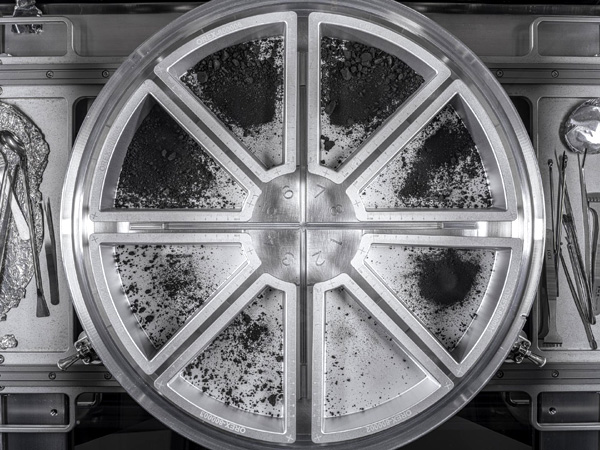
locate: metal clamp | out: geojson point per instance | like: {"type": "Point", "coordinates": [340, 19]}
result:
{"type": "Point", "coordinates": [522, 349]}
{"type": "Point", "coordinates": [84, 353]}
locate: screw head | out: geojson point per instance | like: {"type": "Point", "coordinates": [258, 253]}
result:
{"type": "Point", "coordinates": [105, 74]}
{"type": "Point", "coordinates": [1, 359]}
{"type": "Point", "coordinates": [499, 374]}
{"type": "Point", "coordinates": [552, 410]}
{"type": "Point", "coordinates": [50, 74]}
{"type": "Point", "coordinates": [555, 374]}
{"type": "Point", "coordinates": [52, 375]}
{"type": "Point", "coordinates": [499, 73]}
{"type": "Point", "coordinates": [107, 376]}
{"type": "Point", "coordinates": [53, 412]}
{"type": "Point", "coordinates": [554, 74]}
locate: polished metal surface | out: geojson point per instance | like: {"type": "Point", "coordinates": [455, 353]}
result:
{"type": "Point", "coordinates": [554, 104]}
{"type": "Point", "coordinates": [303, 230]}
{"type": "Point", "coordinates": [582, 126]}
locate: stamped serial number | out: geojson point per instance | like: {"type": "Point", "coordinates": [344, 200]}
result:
{"type": "Point", "coordinates": [389, 421]}
{"type": "Point", "coordinates": [222, 422]}
{"type": "Point", "coordinates": [212, 35]}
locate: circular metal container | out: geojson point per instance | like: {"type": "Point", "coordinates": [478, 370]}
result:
{"type": "Point", "coordinates": [307, 232]}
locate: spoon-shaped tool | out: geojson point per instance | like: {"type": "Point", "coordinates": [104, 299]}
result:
{"type": "Point", "coordinates": [582, 136]}
{"type": "Point", "coordinates": [12, 142]}
{"type": "Point", "coordinates": [582, 128]}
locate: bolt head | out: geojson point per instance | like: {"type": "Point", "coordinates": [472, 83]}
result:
{"type": "Point", "coordinates": [555, 374]}
{"type": "Point", "coordinates": [52, 375]}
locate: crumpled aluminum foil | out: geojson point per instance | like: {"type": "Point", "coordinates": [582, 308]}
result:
{"type": "Point", "coordinates": [27, 8]}
{"type": "Point", "coordinates": [582, 128]}
{"type": "Point", "coordinates": [17, 268]}
{"type": "Point", "coordinates": [8, 341]}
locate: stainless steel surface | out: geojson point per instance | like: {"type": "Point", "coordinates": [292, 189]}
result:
{"type": "Point", "coordinates": [552, 86]}
{"type": "Point", "coordinates": [84, 352]}
{"type": "Point", "coordinates": [5, 195]}
{"type": "Point", "coordinates": [522, 350]}
{"type": "Point", "coordinates": [117, 30]}
{"type": "Point", "coordinates": [51, 252]}
{"type": "Point", "coordinates": [581, 308]}
{"type": "Point", "coordinates": [293, 222]}
{"type": "Point", "coordinates": [578, 267]}
{"type": "Point", "coordinates": [585, 208]}
{"type": "Point", "coordinates": [548, 297]}
{"type": "Point", "coordinates": [552, 104]}
{"type": "Point", "coordinates": [560, 204]}
{"type": "Point", "coordinates": [15, 209]}
{"type": "Point", "coordinates": [13, 143]}
{"type": "Point", "coordinates": [27, 153]}
{"type": "Point", "coordinates": [581, 128]}
{"type": "Point", "coordinates": [42, 341]}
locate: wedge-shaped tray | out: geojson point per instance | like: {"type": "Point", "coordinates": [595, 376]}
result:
{"type": "Point", "coordinates": [174, 386]}
{"type": "Point", "coordinates": [117, 305]}
{"type": "Point", "coordinates": [114, 151]}
{"type": "Point", "coordinates": [491, 150]}
{"type": "Point", "coordinates": [413, 381]}
{"type": "Point", "coordinates": [332, 255]}
{"type": "Point", "coordinates": [181, 60]}
{"type": "Point", "coordinates": [347, 28]}
{"type": "Point", "coordinates": [495, 292]}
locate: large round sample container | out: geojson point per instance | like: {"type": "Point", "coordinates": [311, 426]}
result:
{"type": "Point", "coordinates": [302, 224]}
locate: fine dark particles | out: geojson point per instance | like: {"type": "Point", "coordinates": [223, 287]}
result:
{"type": "Point", "coordinates": [361, 86]}
{"type": "Point", "coordinates": [166, 284]}
{"type": "Point", "coordinates": [243, 86]}
{"type": "Point", "coordinates": [442, 287]}
{"type": "Point", "coordinates": [364, 367]}
{"type": "Point", "coordinates": [446, 277]}
{"type": "Point", "coordinates": [243, 366]}
{"type": "Point", "coordinates": [440, 168]}
{"type": "Point", "coordinates": [165, 168]}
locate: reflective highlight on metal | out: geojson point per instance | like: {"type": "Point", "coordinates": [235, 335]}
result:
{"type": "Point", "coordinates": [26, 154]}
{"type": "Point", "coordinates": [304, 231]}
{"type": "Point", "coordinates": [582, 128]}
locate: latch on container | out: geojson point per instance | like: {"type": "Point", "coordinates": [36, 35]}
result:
{"type": "Point", "coordinates": [521, 349]}
{"type": "Point", "coordinates": [84, 352]}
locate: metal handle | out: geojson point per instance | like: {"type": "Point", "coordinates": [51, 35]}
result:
{"type": "Point", "coordinates": [64, 363]}
{"type": "Point", "coordinates": [84, 352]}
{"type": "Point", "coordinates": [521, 350]}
